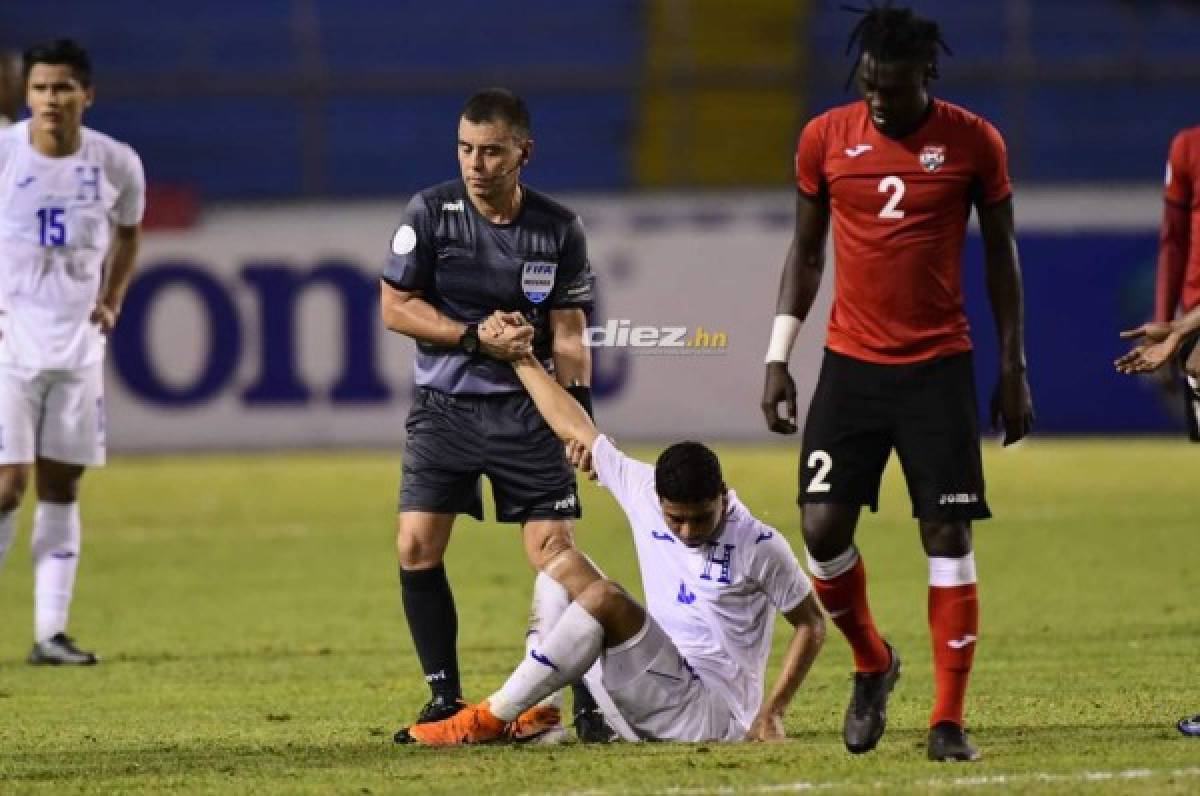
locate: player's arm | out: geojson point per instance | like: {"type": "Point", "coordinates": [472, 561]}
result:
{"type": "Point", "coordinates": [1011, 403]}
{"type": "Point", "coordinates": [1175, 231]}
{"type": "Point", "coordinates": [808, 636]}
{"type": "Point", "coordinates": [561, 411]}
{"type": "Point", "coordinates": [1158, 342]}
{"type": "Point", "coordinates": [1173, 242]}
{"type": "Point", "coordinates": [802, 269]}
{"type": "Point", "coordinates": [1188, 325]}
{"type": "Point", "coordinates": [122, 258]}
{"type": "Point", "coordinates": [127, 211]}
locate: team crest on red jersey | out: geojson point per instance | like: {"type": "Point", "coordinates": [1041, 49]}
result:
{"type": "Point", "coordinates": [932, 157]}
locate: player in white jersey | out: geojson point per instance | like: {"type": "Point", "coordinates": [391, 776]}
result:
{"type": "Point", "coordinates": [71, 203]}
{"type": "Point", "coordinates": [690, 666]}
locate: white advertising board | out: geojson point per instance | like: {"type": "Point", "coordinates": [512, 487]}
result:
{"type": "Point", "coordinates": [260, 327]}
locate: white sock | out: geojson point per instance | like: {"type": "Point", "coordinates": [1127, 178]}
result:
{"type": "Point", "coordinates": [562, 657]}
{"type": "Point", "coordinates": [838, 565]}
{"type": "Point", "coordinates": [550, 600]}
{"type": "Point", "coordinates": [56, 537]}
{"type": "Point", "coordinates": [8, 528]}
{"type": "Point", "coordinates": [947, 573]}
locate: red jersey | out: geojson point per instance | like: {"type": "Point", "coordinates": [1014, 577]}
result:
{"type": "Point", "coordinates": [899, 213]}
{"type": "Point", "coordinates": [1179, 256]}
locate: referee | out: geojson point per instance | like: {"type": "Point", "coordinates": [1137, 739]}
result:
{"type": "Point", "coordinates": [462, 250]}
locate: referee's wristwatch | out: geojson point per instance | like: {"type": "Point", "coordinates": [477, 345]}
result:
{"type": "Point", "coordinates": [469, 342]}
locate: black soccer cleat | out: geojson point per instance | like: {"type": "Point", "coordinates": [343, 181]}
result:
{"type": "Point", "coordinates": [948, 744]}
{"type": "Point", "coordinates": [438, 708]}
{"type": "Point", "coordinates": [60, 650]}
{"type": "Point", "coordinates": [591, 727]}
{"type": "Point", "coordinates": [866, 715]}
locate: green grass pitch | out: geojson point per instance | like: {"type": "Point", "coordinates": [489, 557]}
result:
{"type": "Point", "coordinates": [248, 614]}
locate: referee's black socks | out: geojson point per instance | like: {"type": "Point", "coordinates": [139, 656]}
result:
{"type": "Point", "coordinates": [433, 622]}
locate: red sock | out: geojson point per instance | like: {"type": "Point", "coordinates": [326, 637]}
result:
{"type": "Point", "coordinates": [953, 626]}
{"type": "Point", "coordinates": [845, 600]}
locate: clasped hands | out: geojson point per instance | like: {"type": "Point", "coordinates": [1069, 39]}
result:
{"type": "Point", "coordinates": [506, 336]}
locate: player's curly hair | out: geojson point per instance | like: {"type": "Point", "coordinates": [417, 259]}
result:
{"type": "Point", "coordinates": [688, 472]}
{"type": "Point", "coordinates": [59, 52]}
{"type": "Point", "coordinates": [895, 34]}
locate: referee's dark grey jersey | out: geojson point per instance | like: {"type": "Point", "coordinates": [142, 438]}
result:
{"type": "Point", "coordinates": [467, 267]}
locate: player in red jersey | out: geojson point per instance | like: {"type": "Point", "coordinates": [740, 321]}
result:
{"type": "Point", "coordinates": [897, 175]}
{"type": "Point", "coordinates": [1178, 287]}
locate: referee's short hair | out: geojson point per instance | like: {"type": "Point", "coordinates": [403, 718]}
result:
{"type": "Point", "coordinates": [492, 104]}
{"type": "Point", "coordinates": [688, 472]}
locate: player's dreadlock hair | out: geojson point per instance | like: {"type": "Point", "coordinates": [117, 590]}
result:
{"type": "Point", "coordinates": [688, 472]}
{"type": "Point", "coordinates": [895, 34]}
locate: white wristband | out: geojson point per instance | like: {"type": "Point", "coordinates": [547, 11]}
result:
{"type": "Point", "coordinates": [783, 337]}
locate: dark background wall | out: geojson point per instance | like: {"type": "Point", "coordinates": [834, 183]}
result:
{"type": "Point", "coordinates": [304, 98]}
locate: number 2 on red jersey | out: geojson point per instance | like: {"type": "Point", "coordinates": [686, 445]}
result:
{"type": "Point", "coordinates": [895, 186]}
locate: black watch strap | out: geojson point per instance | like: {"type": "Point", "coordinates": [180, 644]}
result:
{"type": "Point", "coordinates": [469, 342]}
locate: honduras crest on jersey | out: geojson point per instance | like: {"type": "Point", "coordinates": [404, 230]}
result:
{"type": "Point", "coordinates": [537, 280]}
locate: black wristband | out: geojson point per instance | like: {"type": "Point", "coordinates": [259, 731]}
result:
{"type": "Point", "coordinates": [469, 342]}
{"type": "Point", "coordinates": [583, 395]}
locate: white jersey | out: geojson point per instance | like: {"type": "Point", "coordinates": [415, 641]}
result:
{"type": "Point", "coordinates": [56, 223]}
{"type": "Point", "coordinates": [714, 601]}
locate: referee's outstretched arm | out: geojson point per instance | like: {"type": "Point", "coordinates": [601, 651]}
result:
{"type": "Point", "coordinates": [562, 412]}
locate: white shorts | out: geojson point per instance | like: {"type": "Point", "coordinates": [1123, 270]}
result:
{"type": "Point", "coordinates": [655, 695]}
{"type": "Point", "coordinates": [52, 414]}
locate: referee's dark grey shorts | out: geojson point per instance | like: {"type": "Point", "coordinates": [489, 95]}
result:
{"type": "Point", "coordinates": [454, 439]}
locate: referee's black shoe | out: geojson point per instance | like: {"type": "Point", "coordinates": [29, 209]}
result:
{"type": "Point", "coordinates": [438, 708]}
{"type": "Point", "coordinates": [948, 743]}
{"type": "Point", "coordinates": [866, 715]}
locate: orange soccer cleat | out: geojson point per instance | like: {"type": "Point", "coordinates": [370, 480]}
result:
{"type": "Point", "coordinates": [541, 724]}
{"type": "Point", "coordinates": [472, 724]}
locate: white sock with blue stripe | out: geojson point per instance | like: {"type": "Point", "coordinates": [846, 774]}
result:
{"type": "Point", "coordinates": [561, 657]}
{"type": "Point", "coordinates": [550, 600]}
